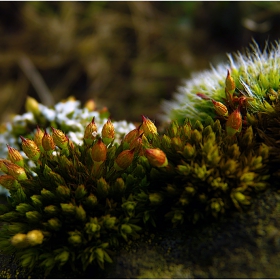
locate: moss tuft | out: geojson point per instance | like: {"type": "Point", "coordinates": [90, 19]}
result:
{"type": "Point", "coordinates": [75, 203]}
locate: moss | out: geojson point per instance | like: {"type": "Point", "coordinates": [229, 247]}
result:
{"type": "Point", "coordinates": [254, 75]}
{"type": "Point", "coordinates": [75, 205]}
{"type": "Point", "coordinates": [245, 245]}
{"type": "Point", "coordinates": [83, 204]}
{"type": "Point", "coordinates": [87, 208]}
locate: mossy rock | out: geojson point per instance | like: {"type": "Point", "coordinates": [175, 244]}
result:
{"type": "Point", "coordinates": [242, 246]}
{"type": "Point", "coordinates": [245, 245]}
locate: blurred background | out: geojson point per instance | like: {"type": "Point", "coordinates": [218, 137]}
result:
{"type": "Point", "coordinates": [127, 56]}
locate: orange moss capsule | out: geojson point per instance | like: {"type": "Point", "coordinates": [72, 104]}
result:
{"type": "Point", "coordinates": [156, 157]}
{"type": "Point", "coordinates": [220, 108]}
{"type": "Point", "coordinates": [234, 123]}
{"type": "Point", "coordinates": [108, 132]}
{"type": "Point", "coordinates": [30, 149]}
{"type": "Point", "coordinates": [124, 159]}
{"type": "Point", "coordinates": [148, 127]}
{"type": "Point", "coordinates": [9, 182]}
{"type": "Point", "coordinates": [132, 135]}
{"type": "Point", "coordinates": [14, 170]}
{"type": "Point", "coordinates": [15, 156]}
{"type": "Point", "coordinates": [137, 143]}
{"type": "Point", "coordinates": [38, 138]}
{"type": "Point", "coordinates": [99, 151]}
{"type": "Point", "coordinates": [59, 138]}
{"type": "Point", "coordinates": [47, 142]}
{"type": "Point", "coordinates": [90, 132]}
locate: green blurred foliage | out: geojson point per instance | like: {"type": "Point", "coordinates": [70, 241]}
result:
{"type": "Point", "coordinates": [127, 56]}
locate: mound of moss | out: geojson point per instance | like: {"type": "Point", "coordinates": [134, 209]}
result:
{"type": "Point", "coordinates": [81, 204]}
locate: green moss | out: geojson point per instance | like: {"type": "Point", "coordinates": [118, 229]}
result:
{"type": "Point", "coordinates": [77, 204]}
{"type": "Point", "coordinates": [77, 209]}
{"type": "Point", "coordinates": [242, 245]}
{"type": "Point", "coordinates": [254, 74]}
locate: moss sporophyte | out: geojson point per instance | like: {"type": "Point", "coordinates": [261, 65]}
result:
{"type": "Point", "coordinates": [75, 197]}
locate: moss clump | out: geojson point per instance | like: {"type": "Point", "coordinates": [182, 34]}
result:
{"type": "Point", "coordinates": [256, 79]}
{"type": "Point", "coordinates": [78, 202]}
{"type": "Point", "coordinates": [67, 115]}
{"type": "Point", "coordinates": [68, 205]}
{"type": "Point", "coordinates": [209, 172]}
{"type": "Point", "coordinates": [75, 203]}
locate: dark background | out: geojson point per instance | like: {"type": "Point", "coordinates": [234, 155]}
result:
{"type": "Point", "coordinates": [127, 56]}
